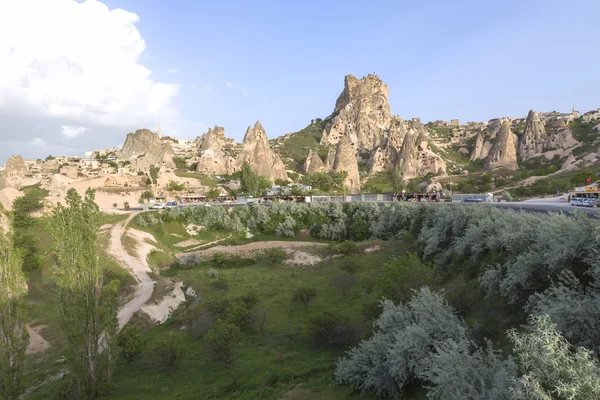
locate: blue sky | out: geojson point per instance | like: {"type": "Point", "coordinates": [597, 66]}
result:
{"type": "Point", "coordinates": [283, 62]}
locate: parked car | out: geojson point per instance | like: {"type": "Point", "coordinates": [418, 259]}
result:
{"type": "Point", "coordinates": [589, 202]}
{"type": "Point", "coordinates": [576, 201]}
{"type": "Point", "coordinates": [472, 199]}
{"type": "Point", "coordinates": [158, 206]}
{"type": "Point", "coordinates": [171, 204]}
{"type": "Point", "coordinates": [250, 203]}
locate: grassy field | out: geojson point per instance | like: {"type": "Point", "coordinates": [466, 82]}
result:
{"type": "Point", "coordinates": [266, 367]}
{"type": "Point", "coordinates": [294, 149]}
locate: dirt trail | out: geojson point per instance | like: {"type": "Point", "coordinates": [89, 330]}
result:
{"type": "Point", "coordinates": [138, 266]}
{"type": "Point", "coordinates": [246, 249]}
{"type": "Point", "coordinates": [36, 342]}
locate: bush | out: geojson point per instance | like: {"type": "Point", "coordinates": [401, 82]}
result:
{"type": "Point", "coordinates": [173, 186]}
{"type": "Point", "coordinates": [344, 280]}
{"type": "Point", "coordinates": [304, 295]}
{"type": "Point", "coordinates": [220, 283]}
{"type": "Point", "coordinates": [220, 343]}
{"type": "Point", "coordinates": [334, 330]}
{"type": "Point", "coordinates": [400, 275]}
{"type": "Point", "coordinates": [167, 354]}
{"type": "Point", "coordinates": [226, 261]}
{"type": "Point", "coordinates": [274, 256]}
{"type": "Point", "coordinates": [347, 248]}
{"type": "Point", "coordinates": [212, 273]}
{"type": "Point", "coordinates": [131, 343]}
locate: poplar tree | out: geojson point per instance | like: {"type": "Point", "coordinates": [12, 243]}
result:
{"type": "Point", "coordinates": [13, 330]}
{"type": "Point", "coordinates": [88, 310]}
{"type": "Point", "coordinates": [249, 181]}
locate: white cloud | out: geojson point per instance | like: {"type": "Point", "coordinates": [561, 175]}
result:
{"type": "Point", "coordinates": [230, 85]}
{"type": "Point", "coordinates": [71, 132]}
{"type": "Point", "coordinates": [38, 142]}
{"type": "Point", "coordinates": [245, 93]}
{"type": "Point", "coordinates": [172, 70]}
{"type": "Point", "coordinates": [77, 62]}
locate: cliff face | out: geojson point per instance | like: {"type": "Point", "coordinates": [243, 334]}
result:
{"type": "Point", "coordinates": [534, 139]}
{"type": "Point", "coordinates": [362, 116]}
{"type": "Point", "coordinates": [144, 150]}
{"type": "Point", "coordinates": [345, 160]}
{"type": "Point", "coordinates": [481, 148]}
{"type": "Point", "coordinates": [257, 153]}
{"type": "Point", "coordinates": [313, 163]}
{"type": "Point", "coordinates": [215, 152]}
{"type": "Point", "coordinates": [14, 173]}
{"type": "Point", "coordinates": [503, 154]}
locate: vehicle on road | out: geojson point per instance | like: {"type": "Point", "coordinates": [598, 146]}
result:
{"type": "Point", "coordinates": [576, 201]}
{"type": "Point", "coordinates": [589, 202]}
{"type": "Point", "coordinates": [171, 204]}
{"type": "Point", "coordinates": [472, 200]}
{"type": "Point", "coordinates": [158, 206]}
{"type": "Point", "coordinates": [250, 203]}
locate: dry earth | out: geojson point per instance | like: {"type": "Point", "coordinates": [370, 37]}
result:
{"type": "Point", "coordinates": [37, 343]}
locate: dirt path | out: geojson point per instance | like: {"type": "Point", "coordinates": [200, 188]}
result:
{"type": "Point", "coordinates": [138, 266]}
{"type": "Point", "coordinates": [36, 342]}
{"type": "Point", "coordinates": [245, 249]}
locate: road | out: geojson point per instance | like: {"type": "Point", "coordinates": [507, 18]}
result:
{"type": "Point", "coordinates": [137, 268]}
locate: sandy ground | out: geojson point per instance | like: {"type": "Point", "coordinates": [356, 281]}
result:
{"type": "Point", "coordinates": [246, 249]}
{"type": "Point", "coordinates": [372, 249]}
{"type": "Point", "coordinates": [8, 195]}
{"type": "Point", "coordinates": [138, 266]}
{"type": "Point", "coordinates": [37, 343]}
{"type": "Point", "coordinates": [188, 243]}
{"type": "Point", "coordinates": [161, 311]}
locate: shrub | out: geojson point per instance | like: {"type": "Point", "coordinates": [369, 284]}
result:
{"type": "Point", "coordinates": [212, 273]}
{"type": "Point", "coordinates": [226, 261]}
{"type": "Point", "coordinates": [344, 280]}
{"type": "Point", "coordinates": [173, 186]}
{"type": "Point", "coordinates": [274, 256]}
{"type": "Point", "coordinates": [131, 343]}
{"type": "Point", "coordinates": [167, 354]}
{"type": "Point", "coordinates": [334, 330]}
{"type": "Point", "coordinates": [347, 248]}
{"type": "Point", "coordinates": [551, 368]}
{"type": "Point", "coordinates": [304, 295]}
{"type": "Point", "coordinates": [220, 343]}
{"type": "Point", "coordinates": [220, 283]}
{"type": "Point", "coordinates": [400, 275]}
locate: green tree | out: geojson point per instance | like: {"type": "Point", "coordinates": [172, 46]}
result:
{"type": "Point", "coordinates": [397, 178]}
{"type": "Point", "coordinates": [400, 275]}
{"type": "Point", "coordinates": [173, 186]}
{"type": "Point", "coordinates": [13, 318]}
{"type": "Point", "coordinates": [154, 174]}
{"type": "Point", "coordinates": [220, 342]}
{"type": "Point", "coordinates": [88, 311]}
{"type": "Point", "coordinates": [551, 368]}
{"type": "Point", "coordinates": [213, 194]}
{"type": "Point", "coordinates": [304, 295]}
{"type": "Point", "coordinates": [130, 343]}
{"type": "Point", "coordinates": [147, 195]}
{"type": "Point", "coordinates": [180, 162]}
{"type": "Point", "coordinates": [249, 181]}
{"type": "Point", "coordinates": [167, 354]}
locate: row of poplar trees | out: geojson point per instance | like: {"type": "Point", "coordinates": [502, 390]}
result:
{"type": "Point", "coordinates": [87, 307]}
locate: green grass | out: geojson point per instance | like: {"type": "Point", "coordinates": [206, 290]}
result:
{"type": "Point", "coordinates": [207, 180]}
{"type": "Point", "coordinates": [35, 190]}
{"type": "Point", "coordinates": [295, 149]}
{"type": "Point", "coordinates": [259, 372]}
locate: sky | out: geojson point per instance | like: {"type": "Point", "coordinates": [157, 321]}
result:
{"type": "Point", "coordinates": [79, 75]}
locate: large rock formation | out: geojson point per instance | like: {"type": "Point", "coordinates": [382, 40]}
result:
{"type": "Point", "coordinates": [362, 115]}
{"type": "Point", "coordinates": [481, 148]}
{"type": "Point", "coordinates": [345, 160]}
{"type": "Point", "coordinates": [215, 152]}
{"type": "Point", "coordinates": [313, 163]}
{"type": "Point", "coordinates": [257, 153]}
{"type": "Point", "coordinates": [144, 149]}
{"type": "Point", "coordinates": [504, 152]}
{"type": "Point", "coordinates": [15, 171]}
{"type": "Point", "coordinates": [534, 140]}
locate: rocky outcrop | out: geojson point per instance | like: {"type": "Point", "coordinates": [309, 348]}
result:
{"type": "Point", "coordinates": [215, 152]}
{"type": "Point", "coordinates": [481, 148]}
{"type": "Point", "coordinates": [15, 171]}
{"type": "Point", "coordinates": [345, 160]}
{"type": "Point", "coordinates": [362, 113]}
{"type": "Point", "coordinates": [504, 152]}
{"type": "Point", "coordinates": [415, 159]}
{"type": "Point", "coordinates": [313, 163]}
{"type": "Point", "coordinates": [534, 140]}
{"type": "Point", "coordinates": [144, 149]}
{"type": "Point", "coordinates": [257, 153]}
